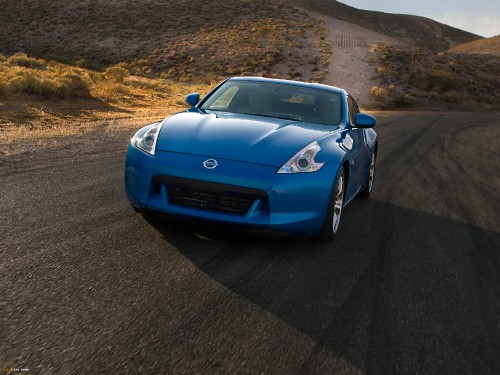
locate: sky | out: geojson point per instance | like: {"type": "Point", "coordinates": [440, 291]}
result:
{"type": "Point", "coordinates": [481, 17]}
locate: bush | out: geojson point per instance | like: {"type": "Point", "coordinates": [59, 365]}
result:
{"type": "Point", "coordinates": [403, 101]}
{"type": "Point", "coordinates": [379, 94]}
{"type": "Point", "coordinates": [25, 82]}
{"type": "Point", "coordinates": [22, 59]}
{"type": "Point", "coordinates": [292, 74]}
{"type": "Point", "coordinates": [52, 88]}
{"type": "Point", "coordinates": [452, 96]}
{"type": "Point", "coordinates": [67, 85]}
{"type": "Point", "coordinates": [3, 88]}
{"type": "Point", "coordinates": [76, 85]}
{"type": "Point", "coordinates": [110, 90]}
{"type": "Point", "coordinates": [116, 73]}
{"type": "Point", "coordinates": [440, 80]}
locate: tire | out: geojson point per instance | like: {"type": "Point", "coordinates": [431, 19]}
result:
{"type": "Point", "coordinates": [367, 189]}
{"type": "Point", "coordinates": [330, 226]}
{"type": "Point", "coordinates": [150, 216]}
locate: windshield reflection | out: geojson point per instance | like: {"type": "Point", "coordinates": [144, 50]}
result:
{"type": "Point", "coordinates": [276, 100]}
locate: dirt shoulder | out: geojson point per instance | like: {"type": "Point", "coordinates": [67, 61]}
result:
{"type": "Point", "coordinates": [81, 126]}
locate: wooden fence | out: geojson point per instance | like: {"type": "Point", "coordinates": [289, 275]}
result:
{"type": "Point", "coordinates": [350, 40]}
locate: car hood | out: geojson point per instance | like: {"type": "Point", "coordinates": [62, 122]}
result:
{"type": "Point", "coordinates": [247, 138]}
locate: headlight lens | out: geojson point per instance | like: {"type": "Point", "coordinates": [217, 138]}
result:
{"type": "Point", "coordinates": [303, 161]}
{"type": "Point", "coordinates": [147, 142]}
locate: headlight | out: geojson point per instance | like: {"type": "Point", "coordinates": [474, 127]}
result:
{"type": "Point", "coordinates": [303, 161]}
{"type": "Point", "coordinates": [147, 142]}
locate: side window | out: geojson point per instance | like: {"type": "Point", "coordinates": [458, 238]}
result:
{"type": "Point", "coordinates": [353, 109]}
{"type": "Point", "coordinates": [223, 101]}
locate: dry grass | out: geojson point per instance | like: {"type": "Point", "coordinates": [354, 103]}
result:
{"type": "Point", "coordinates": [21, 74]}
{"type": "Point", "coordinates": [39, 97]}
{"type": "Point", "coordinates": [489, 46]}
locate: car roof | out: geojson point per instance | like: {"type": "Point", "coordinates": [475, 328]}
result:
{"type": "Point", "coordinates": [290, 82]}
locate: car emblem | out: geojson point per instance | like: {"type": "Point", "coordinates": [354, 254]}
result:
{"type": "Point", "coordinates": [210, 163]}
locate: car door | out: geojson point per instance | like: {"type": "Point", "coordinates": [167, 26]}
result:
{"type": "Point", "coordinates": [357, 153]}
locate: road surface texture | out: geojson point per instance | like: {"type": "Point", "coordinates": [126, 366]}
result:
{"type": "Point", "coordinates": [410, 286]}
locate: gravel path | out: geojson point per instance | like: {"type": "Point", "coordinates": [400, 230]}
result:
{"type": "Point", "coordinates": [349, 65]}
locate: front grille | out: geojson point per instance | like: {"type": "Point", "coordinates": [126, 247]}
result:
{"type": "Point", "coordinates": [236, 203]}
{"type": "Point", "coordinates": [210, 195]}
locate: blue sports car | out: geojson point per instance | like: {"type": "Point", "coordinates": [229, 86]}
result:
{"type": "Point", "coordinates": [263, 153]}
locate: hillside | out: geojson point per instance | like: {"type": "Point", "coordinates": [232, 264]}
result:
{"type": "Point", "coordinates": [418, 31]}
{"type": "Point", "coordinates": [418, 78]}
{"type": "Point", "coordinates": [183, 40]}
{"type": "Point", "coordinates": [488, 47]}
{"type": "Point", "coordinates": [56, 57]}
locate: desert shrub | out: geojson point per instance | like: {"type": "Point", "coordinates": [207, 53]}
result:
{"type": "Point", "coordinates": [440, 79]}
{"type": "Point", "coordinates": [53, 64]}
{"type": "Point", "coordinates": [52, 88]}
{"type": "Point", "coordinates": [372, 58]}
{"type": "Point", "coordinates": [401, 101]}
{"type": "Point", "coordinates": [3, 88]}
{"type": "Point", "coordinates": [380, 71]}
{"type": "Point", "coordinates": [22, 59]}
{"type": "Point", "coordinates": [109, 90]}
{"type": "Point", "coordinates": [48, 84]}
{"type": "Point", "coordinates": [441, 57]}
{"type": "Point", "coordinates": [379, 94]}
{"type": "Point", "coordinates": [80, 62]}
{"type": "Point", "coordinates": [43, 86]}
{"type": "Point", "coordinates": [145, 70]}
{"type": "Point", "coordinates": [393, 90]}
{"type": "Point", "coordinates": [157, 85]}
{"type": "Point", "coordinates": [452, 96]}
{"type": "Point", "coordinates": [116, 73]}
{"type": "Point", "coordinates": [320, 76]}
{"type": "Point", "coordinates": [93, 77]}
{"type": "Point", "coordinates": [76, 85]}
{"type": "Point", "coordinates": [293, 74]}
{"type": "Point", "coordinates": [262, 30]}
{"type": "Point", "coordinates": [433, 95]}
{"type": "Point", "coordinates": [24, 82]}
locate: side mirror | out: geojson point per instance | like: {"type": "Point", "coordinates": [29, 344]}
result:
{"type": "Point", "coordinates": [193, 99]}
{"type": "Point", "coordinates": [364, 120]}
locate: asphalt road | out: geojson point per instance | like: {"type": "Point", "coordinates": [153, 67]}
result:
{"type": "Point", "coordinates": [410, 286]}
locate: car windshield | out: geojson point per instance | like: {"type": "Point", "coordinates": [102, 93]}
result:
{"type": "Point", "coordinates": [271, 99]}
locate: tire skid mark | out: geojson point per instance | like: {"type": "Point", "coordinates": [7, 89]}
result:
{"type": "Point", "coordinates": [403, 158]}
{"type": "Point", "coordinates": [391, 120]}
{"type": "Point", "coordinates": [452, 179]}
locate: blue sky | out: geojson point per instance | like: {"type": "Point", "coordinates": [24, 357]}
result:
{"type": "Point", "coordinates": [480, 17]}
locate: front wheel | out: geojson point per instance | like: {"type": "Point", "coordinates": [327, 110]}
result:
{"type": "Point", "coordinates": [332, 220]}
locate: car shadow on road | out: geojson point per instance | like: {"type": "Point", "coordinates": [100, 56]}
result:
{"type": "Point", "coordinates": [398, 291]}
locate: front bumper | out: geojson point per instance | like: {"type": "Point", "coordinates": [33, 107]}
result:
{"type": "Point", "coordinates": [235, 192]}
